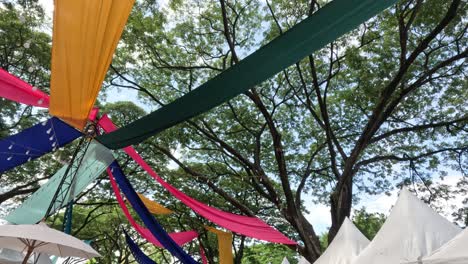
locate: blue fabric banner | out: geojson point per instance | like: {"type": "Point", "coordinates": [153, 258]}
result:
{"type": "Point", "coordinates": [139, 255]}
{"type": "Point", "coordinates": [147, 218]}
{"type": "Point", "coordinates": [34, 142]}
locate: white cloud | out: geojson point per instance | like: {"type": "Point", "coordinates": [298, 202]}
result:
{"type": "Point", "coordinates": [380, 203]}
{"type": "Point", "coordinates": [319, 215]}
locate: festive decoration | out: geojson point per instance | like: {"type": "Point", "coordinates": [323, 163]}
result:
{"type": "Point", "coordinates": [245, 225]}
{"type": "Point", "coordinates": [147, 218]}
{"type": "Point", "coordinates": [97, 158]}
{"type": "Point", "coordinates": [35, 142]}
{"type": "Point", "coordinates": [324, 26]}
{"type": "Point", "coordinates": [15, 89]}
{"type": "Point", "coordinates": [139, 256]}
{"type": "Point", "coordinates": [154, 207]}
{"type": "Point", "coordinates": [85, 35]}
{"type": "Point", "coordinates": [180, 238]}
{"type": "Point", "coordinates": [224, 245]}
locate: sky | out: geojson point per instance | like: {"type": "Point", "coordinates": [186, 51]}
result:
{"type": "Point", "coordinates": [319, 214]}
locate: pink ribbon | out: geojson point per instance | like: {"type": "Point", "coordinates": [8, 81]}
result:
{"type": "Point", "coordinates": [15, 89]}
{"type": "Point", "coordinates": [180, 238]}
{"type": "Point", "coordinates": [245, 225]}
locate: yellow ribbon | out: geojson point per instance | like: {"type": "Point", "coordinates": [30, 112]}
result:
{"type": "Point", "coordinates": [224, 245]}
{"type": "Point", "coordinates": [85, 35]}
{"type": "Point", "coordinates": [154, 207]}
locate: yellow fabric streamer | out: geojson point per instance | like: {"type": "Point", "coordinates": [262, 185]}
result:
{"type": "Point", "coordinates": [85, 35]}
{"type": "Point", "coordinates": [154, 207]}
{"type": "Point", "coordinates": [224, 245]}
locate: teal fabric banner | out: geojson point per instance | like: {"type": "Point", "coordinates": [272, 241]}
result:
{"type": "Point", "coordinates": [324, 26]}
{"type": "Point", "coordinates": [33, 209]}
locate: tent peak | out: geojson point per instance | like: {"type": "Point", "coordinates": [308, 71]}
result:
{"type": "Point", "coordinates": [412, 230]}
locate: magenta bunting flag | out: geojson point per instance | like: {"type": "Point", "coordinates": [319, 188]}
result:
{"type": "Point", "coordinates": [17, 90]}
{"type": "Point", "coordinates": [245, 225]}
{"type": "Point", "coordinates": [203, 255]}
{"type": "Point", "coordinates": [180, 238]}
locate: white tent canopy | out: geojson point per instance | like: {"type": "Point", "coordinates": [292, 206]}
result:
{"type": "Point", "coordinates": [346, 245]}
{"type": "Point", "coordinates": [285, 261]}
{"type": "Point", "coordinates": [453, 252]}
{"type": "Point", "coordinates": [303, 260]}
{"type": "Point", "coordinates": [412, 231]}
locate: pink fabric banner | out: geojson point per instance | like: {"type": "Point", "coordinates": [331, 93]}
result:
{"type": "Point", "coordinates": [203, 255]}
{"type": "Point", "coordinates": [245, 225]}
{"type": "Point", "coordinates": [93, 114]}
{"type": "Point", "coordinates": [180, 238]}
{"type": "Point", "coordinates": [15, 89]}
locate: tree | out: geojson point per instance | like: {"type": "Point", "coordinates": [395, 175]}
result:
{"type": "Point", "coordinates": [268, 253]}
{"type": "Point", "coordinates": [381, 106]}
{"type": "Point", "coordinates": [368, 223]}
{"type": "Point", "coordinates": [26, 54]}
{"type": "Point", "coordinates": [338, 121]}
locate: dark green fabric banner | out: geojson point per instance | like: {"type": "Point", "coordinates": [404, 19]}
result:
{"type": "Point", "coordinates": [323, 27]}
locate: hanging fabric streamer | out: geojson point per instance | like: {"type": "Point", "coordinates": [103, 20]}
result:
{"type": "Point", "coordinates": [180, 238]}
{"type": "Point", "coordinates": [85, 35]}
{"type": "Point", "coordinates": [224, 245]}
{"type": "Point", "coordinates": [15, 89]}
{"type": "Point", "coordinates": [248, 226]}
{"type": "Point", "coordinates": [139, 256]}
{"type": "Point", "coordinates": [35, 142]}
{"type": "Point", "coordinates": [97, 158]}
{"type": "Point", "coordinates": [203, 255]}
{"type": "Point", "coordinates": [154, 207]}
{"type": "Point", "coordinates": [147, 218]}
{"type": "Point", "coordinates": [324, 26]}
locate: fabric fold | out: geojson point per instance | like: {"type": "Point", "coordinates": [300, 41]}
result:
{"type": "Point", "coordinates": [139, 256]}
{"type": "Point", "coordinates": [154, 207]}
{"type": "Point", "coordinates": [15, 89]}
{"type": "Point", "coordinates": [324, 26]}
{"type": "Point", "coordinates": [148, 219]}
{"type": "Point", "coordinates": [96, 159]}
{"type": "Point", "coordinates": [85, 35]}
{"type": "Point", "coordinates": [35, 142]}
{"type": "Point", "coordinates": [245, 225]}
{"type": "Point", "coordinates": [224, 245]}
{"type": "Point", "coordinates": [180, 238]}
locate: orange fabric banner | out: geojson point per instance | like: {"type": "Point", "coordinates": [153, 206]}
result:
{"type": "Point", "coordinates": [224, 245]}
{"type": "Point", "coordinates": [85, 35]}
{"type": "Point", "coordinates": [154, 207]}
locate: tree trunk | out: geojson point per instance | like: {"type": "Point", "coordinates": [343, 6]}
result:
{"type": "Point", "coordinates": [341, 202]}
{"type": "Point", "coordinates": [240, 252]}
{"type": "Point", "coordinates": [311, 250]}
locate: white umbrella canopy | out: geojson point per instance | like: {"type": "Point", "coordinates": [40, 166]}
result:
{"type": "Point", "coordinates": [42, 239]}
{"type": "Point", "coordinates": [285, 261]}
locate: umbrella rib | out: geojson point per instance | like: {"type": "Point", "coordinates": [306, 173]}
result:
{"type": "Point", "coordinates": [42, 243]}
{"type": "Point", "coordinates": [25, 244]}
{"type": "Point", "coordinates": [59, 250]}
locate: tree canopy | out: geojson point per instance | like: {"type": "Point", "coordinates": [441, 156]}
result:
{"type": "Point", "coordinates": [380, 107]}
